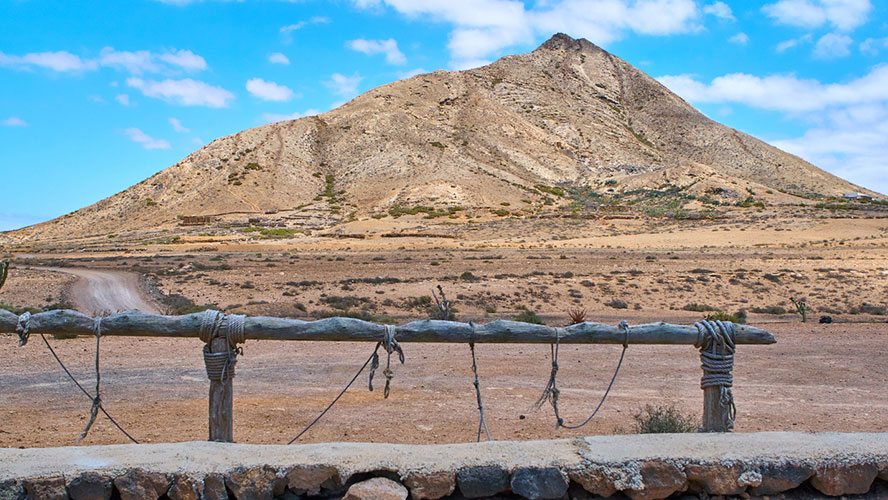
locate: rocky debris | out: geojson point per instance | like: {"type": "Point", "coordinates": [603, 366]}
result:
{"type": "Point", "coordinates": [659, 479]}
{"type": "Point", "coordinates": [377, 488]}
{"type": "Point", "coordinates": [90, 486]}
{"type": "Point", "coordinates": [11, 490]}
{"type": "Point", "coordinates": [253, 484]}
{"type": "Point", "coordinates": [777, 478]}
{"type": "Point", "coordinates": [841, 478]}
{"type": "Point", "coordinates": [482, 481]}
{"type": "Point", "coordinates": [214, 487]}
{"type": "Point", "coordinates": [430, 485]}
{"type": "Point", "coordinates": [137, 484]}
{"type": "Point", "coordinates": [46, 489]}
{"type": "Point", "coordinates": [310, 479]}
{"type": "Point", "coordinates": [539, 483]}
{"type": "Point", "coordinates": [183, 489]}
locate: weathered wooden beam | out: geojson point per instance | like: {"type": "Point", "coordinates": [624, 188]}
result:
{"type": "Point", "coordinates": [137, 324]}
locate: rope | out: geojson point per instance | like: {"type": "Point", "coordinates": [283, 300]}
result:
{"type": "Point", "coordinates": [551, 392]}
{"type": "Point", "coordinates": [97, 400]}
{"type": "Point", "coordinates": [481, 423]}
{"type": "Point", "coordinates": [99, 407]}
{"type": "Point", "coordinates": [715, 339]}
{"type": "Point", "coordinates": [23, 328]}
{"type": "Point", "coordinates": [390, 345]}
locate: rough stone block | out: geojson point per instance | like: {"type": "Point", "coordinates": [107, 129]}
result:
{"type": "Point", "coordinates": [430, 485]}
{"type": "Point", "coordinates": [183, 489]}
{"type": "Point", "coordinates": [597, 480]}
{"type": "Point", "coordinates": [377, 488]}
{"type": "Point", "coordinates": [715, 479]}
{"type": "Point", "coordinates": [252, 484]}
{"type": "Point", "coordinates": [90, 486]}
{"type": "Point", "coordinates": [482, 481]}
{"type": "Point", "coordinates": [137, 484]}
{"type": "Point", "coordinates": [214, 488]}
{"type": "Point", "coordinates": [660, 479]}
{"type": "Point", "coordinates": [52, 488]}
{"type": "Point", "coordinates": [11, 490]}
{"type": "Point", "coordinates": [535, 483]}
{"type": "Point", "coordinates": [777, 478]}
{"type": "Point", "coordinates": [310, 479]}
{"type": "Point", "coordinates": [844, 478]}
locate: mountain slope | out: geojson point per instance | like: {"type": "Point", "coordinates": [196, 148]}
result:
{"type": "Point", "coordinates": [567, 113]}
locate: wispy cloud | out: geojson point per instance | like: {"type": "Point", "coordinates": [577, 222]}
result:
{"type": "Point", "coordinates": [146, 140]}
{"type": "Point", "coordinates": [268, 91]}
{"type": "Point", "coordinates": [178, 127]}
{"type": "Point", "coordinates": [844, 15]}
{"type": "Point", "coordinates": [133, 62]}
{"type": "Point", "coordinates": [278, 58]}
{"type": "Point", "coordinates": [344, 86]}
{"type": "Point", "coordinates": [186, 92]}
{"type": "Point", "coordinates": [287, 31]}
{"type": "Point", "coordinates": [740, 38]}
{"type": "Point", "coordinates": [14, 121]}
{"type": "Point", "coordinates": [370, 47]}
{"type": "Point", "coordinates": [833, 46]}
{"type": "Point", "coordinates": [122, 99]}
{"type": "Point", "coordinates": [60, 61]}
{"type": "Point", "coordinates": [719, 9]}
{"type": "Point", "coordinates": [793, 42]}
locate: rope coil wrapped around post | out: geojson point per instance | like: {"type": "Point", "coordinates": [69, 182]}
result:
{"type": "Point", "coordinates": [715, 340]}
{"type": "Point", "coordinates": [220, 366]}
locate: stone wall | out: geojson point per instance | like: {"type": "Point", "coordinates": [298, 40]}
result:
{"type": "Point", "coordinates": [640, 467]}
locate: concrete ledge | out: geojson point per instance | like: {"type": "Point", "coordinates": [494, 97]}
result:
{"type": "Point", "coordinates": [643, 467]}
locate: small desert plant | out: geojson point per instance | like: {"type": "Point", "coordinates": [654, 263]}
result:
{"type": "Point", "coordinates": [769, 310]}
{"type": "Point", "coordinates": [738, 317]}
{"type": "Point", "coordinates": [663, 419]}
{"type": "Point", "coordinates": [4, 271]}
{"type": "Point", "coordinates": [802, 307]}
{"type": "Point", "coordinates": [443, 309]}
{"type": "Point", "coordinates": [528, 316]}
{"type": "Point", "coordinates": [617, 304]}
{"type": "Point", "coordinates": [577, 315]}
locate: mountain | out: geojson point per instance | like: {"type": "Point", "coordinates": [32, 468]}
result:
{"type": "Point", "coordinates": [512, 132]}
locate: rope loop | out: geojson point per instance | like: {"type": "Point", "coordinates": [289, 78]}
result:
{"type": "Point", "coordinates": [23, 328]}
{"type": "Point", "coordinates": [209, 325]}
{"type": "Point", "coordinates": [390, 345]}
{"type": "Point", "coordinates": [220, 366]}
{"type": "Point", "coordinates": [715, 340]}
{"type": "Point", "coordinates": [624, 325]}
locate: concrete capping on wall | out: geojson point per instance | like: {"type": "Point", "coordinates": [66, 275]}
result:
{"type": "Point", "coordinates": [641, 467]}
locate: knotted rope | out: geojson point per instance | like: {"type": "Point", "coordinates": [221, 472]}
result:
{"type": "Point", "coordinates": [551, 392]}
{"type": "Point", "coordinates": [220, 366]}
{"type": "Point", "coordinates": [390, 345]}
{"type": "Point", "coordinates": [481, 423]}
{"type": "Point", "coordinates": [23, 328]}
{"type": "Point", "coordinates": [715, 339]}
{"type": "Point", "coordinates": [97, 400]}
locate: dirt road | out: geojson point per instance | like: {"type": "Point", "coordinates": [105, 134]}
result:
{"type": "Point", "coordinates": [101, 292]}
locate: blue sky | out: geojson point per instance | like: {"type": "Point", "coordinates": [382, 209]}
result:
{"type": "Point", "coordinates": [96, 96]}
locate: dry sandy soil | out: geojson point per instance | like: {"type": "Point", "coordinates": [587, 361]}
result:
{"type": "Point", "coordinates": [817, 377]}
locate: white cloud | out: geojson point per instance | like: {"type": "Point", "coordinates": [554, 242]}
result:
{"type": "Point", "coordinates": [278, 58]}
{"type": "Point", "coordinates": [178, 127]}
{"type": "Point", "coordinates": [186, 92]}
{"type": "Point", "coordinates": [60, 61]}
{"type": "Point", "coordinates": [122, 99]}
{"type": "Point", "coordinates": [850, 133]}
{"type": "Point", "coordinates": [269, 91]}
{"type": "Point", "coordinates": [792, 42]}
{"type": "Point", "coordinates": [740, 38]}
{"type": "Point", "coordinates": [370, 47]}
{"type": "Point", "coordinates": [872, 46]}
{"type": "Point", "coordinates": [184, 59]}
{"type": "Point", "coordinates": [719, 9]}
{"type": "Point", "coordinates": [344, 86]}
{"type": "Point", "coordinates": [832, 46]}
{"type": "Point", "coordinates": [482, 28]}
{"type": "Point", "coordinates": [301, 24]}
{"type": "Point", "coordinates": [14, 121]}
{"type": "Point", "coordinates": [146, 140]}
{"type": "Point", "coordinates": [844, 15]}
{"type": "Point", "coordinates": [274, 117]}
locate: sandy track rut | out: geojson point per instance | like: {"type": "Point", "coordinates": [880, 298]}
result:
{"type": "Point", "coordinates": [99, 292]}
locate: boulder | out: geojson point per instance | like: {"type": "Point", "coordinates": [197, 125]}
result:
{"type": "Point", "coordinates": [715, 479]}
{"type": "Point", "coordinates": [660, 480]}
{"type": "Point", "coordinates": [595, 479]}
{"type": "Point", "coordinates": [257, 483]}
{"type": "Point", "coordinates": [310, 479]}
{"type": "Point", "coordinates": [90, 486]}
{"type": "Point", "coordinates": [535, 483]}
{"type": "Point", "coordinates": [183, 489]}
{"type": "Point", "coordinates": [377, 488]}
{"type": "Point", "coordinates": [214, 488]}
{"type": "Point", "coordinates": [482, 481]}
{"type": "Point", "coordinates": [52, 488]}
{"type": "Point", "coordinates": [430, 485]}
{"type": "Point", "coordinates": [11, 490]}
{"type": "Point", "coordinates": [777, 478]}
{"type": "Point", "coordinates": [138, 484]}
{"type": "Point", "coordinates": [836, 479]}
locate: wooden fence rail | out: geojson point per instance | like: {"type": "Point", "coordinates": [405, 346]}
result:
{"type": "Point", "coordinates": [137, 324]}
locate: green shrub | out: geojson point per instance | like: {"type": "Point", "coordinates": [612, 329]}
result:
{"type": "Point", "coordinates": [769, 310]}
{"type": "Point", "coordinates": [663, 419]}
{"type": "Point", "coordinates": [528, 316]}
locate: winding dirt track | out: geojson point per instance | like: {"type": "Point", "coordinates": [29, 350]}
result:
{"type": "Point", "coordinates": [99, 292]}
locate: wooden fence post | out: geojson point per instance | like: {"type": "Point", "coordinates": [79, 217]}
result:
{"type": "Point", "coordinates": [715, 415]}
{"type": "Point", "coordinates": [221, 398]}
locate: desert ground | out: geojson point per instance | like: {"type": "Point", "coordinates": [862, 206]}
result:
{"type": "Point", "coordinates": [817, 377]}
